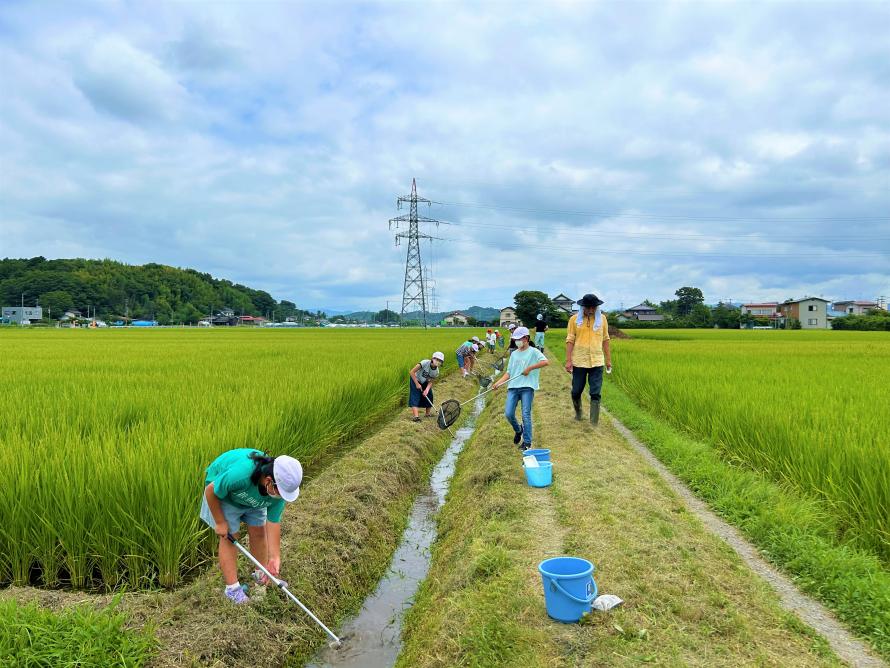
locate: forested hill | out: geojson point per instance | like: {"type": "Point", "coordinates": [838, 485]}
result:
{"type": "Point", "coordinates": [166, 294]}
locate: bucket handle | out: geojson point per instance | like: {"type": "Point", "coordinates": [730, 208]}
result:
{"type": "Point", "coordinates": [554, 585]}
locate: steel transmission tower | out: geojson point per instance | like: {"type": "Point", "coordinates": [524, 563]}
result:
{"type": "Point", "coordinates": [414, 292]}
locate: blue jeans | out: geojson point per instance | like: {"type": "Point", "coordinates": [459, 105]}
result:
{"type": "Point", "coordinates": [526, 395]}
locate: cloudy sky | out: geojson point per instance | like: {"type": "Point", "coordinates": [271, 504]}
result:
{"type": "Point", "coordinates": [625, 148]}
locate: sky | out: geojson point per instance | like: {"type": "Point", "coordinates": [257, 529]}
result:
{"type": "Point", "coordinates": [621, 148]}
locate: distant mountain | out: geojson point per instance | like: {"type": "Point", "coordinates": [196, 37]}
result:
{"type": "Point", "coordinates": [483, 313]}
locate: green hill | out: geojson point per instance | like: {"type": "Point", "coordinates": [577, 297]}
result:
{"type": "Point", "coordinates": [156, 291]}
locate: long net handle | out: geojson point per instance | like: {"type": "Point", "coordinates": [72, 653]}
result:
{"type": "Point", "coordinates": [282, 586]}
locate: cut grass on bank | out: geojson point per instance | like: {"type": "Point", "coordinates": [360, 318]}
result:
{"type": "Point", "coordinates": [34, 637]}
{"type": "Point", "coordinates": [689, 599]}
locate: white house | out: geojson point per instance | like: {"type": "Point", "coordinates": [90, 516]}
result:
{"type": "Point", "coordinates": [854, 307]}
{"type": "Point", "coordinates": [20, 315]}
{"type": "Point", "coordinates": [508, 317]}
{"type": "Point", "coordinates": [456, 318]}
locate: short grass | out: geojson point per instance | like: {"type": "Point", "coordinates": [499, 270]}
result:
{"type": "Point", "coordinates": [34, 637]}
{"type": "Point", "coordinates": [689, 599]}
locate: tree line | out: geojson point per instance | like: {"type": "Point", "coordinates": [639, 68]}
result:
{"type": "Point", "coordinates": [113, 289]}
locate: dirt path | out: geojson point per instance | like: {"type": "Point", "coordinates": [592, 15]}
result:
{"type": "Point", "coordinates": [690, 599]}
{"type": "Point", "coordinates": [846, 646]}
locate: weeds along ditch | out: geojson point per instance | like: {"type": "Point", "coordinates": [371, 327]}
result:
{"type": "Point", "coordinates": [107, 433]}
{"type": "Point", "coordinates": [808, 408]}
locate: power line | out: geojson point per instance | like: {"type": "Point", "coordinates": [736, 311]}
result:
{"type": "Point", "coordinates": [657, 235]}
{"type": "Point", "coordinates": [746, 219]}
{"type": "Point", "coordinates": [624, 251]}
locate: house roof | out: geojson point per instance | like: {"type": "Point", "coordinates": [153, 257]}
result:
{"type": "Point", "coordinates": [762, 304]}
{"type": "Point", "coordinates": [857, 302]}
{"type": "Point", "coordinates": [463, 315]}
{"type": "Point", "coordinates": [641, 307]}
{"type": "Point", "coordinates": [562, 298]}
{"type": "Point", "coordinates": [806, 299]}
{"type": "Point", "coordinates": [508, 308]}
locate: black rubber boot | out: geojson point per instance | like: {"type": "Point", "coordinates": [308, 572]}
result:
{"type": "Point", "coordinates": [594, 412]}
{"type": "Point", "coordinates": [577, 404]}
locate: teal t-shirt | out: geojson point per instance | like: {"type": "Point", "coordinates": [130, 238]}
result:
{"type": "Point", "coordinates": [519, 361]}
{"type": "Point", "coordinates": [230, 474]}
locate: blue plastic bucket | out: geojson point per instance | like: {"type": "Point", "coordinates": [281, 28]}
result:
{"type": "Point", "coordinates": [540, 475]}
{"type": "Point", "coordinates": [541, 454]}
{"type": "Point", "coordinates": [569, 587]}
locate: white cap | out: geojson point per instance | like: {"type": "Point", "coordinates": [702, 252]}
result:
{"type": "Point", "coordinates": [438, 356]}
{"type": "Point", "coordinates": [511, 326]}
{"type": "Point", "coordinates": [288, 474]}
{"type": "Point", "coordinates": [476, 339]}
{"type": "Point", "coordinates": [475, 348]}
{"type": "Point", "coordinates": [519, 332]}
{"type": "Point", "coordinates": [540, 317]}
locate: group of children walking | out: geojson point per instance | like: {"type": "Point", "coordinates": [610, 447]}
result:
{"type": "Point", "coordinates": [250, 487]}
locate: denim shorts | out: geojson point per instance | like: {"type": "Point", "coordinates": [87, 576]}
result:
{"type": "Point", "coordinates": [235, 515]}
{"type": "Point", "coordinates": [460, 360]}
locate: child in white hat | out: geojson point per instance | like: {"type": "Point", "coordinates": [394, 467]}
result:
{"type": "Point", "coordinates": [420, 385]}
{"type": "Point", "coordinates": [523, 374]}
{"type": "Point", "coordinates": [249, 486]}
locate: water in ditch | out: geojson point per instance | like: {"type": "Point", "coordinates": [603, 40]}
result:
{"type": "Point", "coordinates": [372, 639]}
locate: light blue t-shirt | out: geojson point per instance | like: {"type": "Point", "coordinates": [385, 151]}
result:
{"type": "Point", "coordinates": [519, 361]}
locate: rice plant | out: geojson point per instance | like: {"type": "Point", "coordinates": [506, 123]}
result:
{"type": "Point", "coordinates": [809, 408]}
{"type": "Point", "coordinates": [105, 434]}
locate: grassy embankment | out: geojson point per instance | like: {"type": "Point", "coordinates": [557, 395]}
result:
{"type": "Point", "coordinates": [802, 534]}
{"type": "Point", "coordinates": [337, 542]}
{"type": "Point", "coordinates": [689, 599]}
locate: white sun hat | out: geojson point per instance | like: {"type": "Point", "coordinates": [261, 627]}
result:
{"type": "Point", "coordinates": [288, 474]}
{"type": "Point", "coordinates": [519, 332]}
{"type": "Point", "coordinates": [475, 348]}
{"type": "Point", "coordinates": [438, 356]}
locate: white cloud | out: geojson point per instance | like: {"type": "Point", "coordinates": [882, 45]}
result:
{"type": "Point", "coordinates": [715, 144]}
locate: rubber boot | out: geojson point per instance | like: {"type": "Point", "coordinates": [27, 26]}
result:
{"type": "Point", "coordinates": [594, 412]}
{"type": "Point", "coordinates": [577, 404]}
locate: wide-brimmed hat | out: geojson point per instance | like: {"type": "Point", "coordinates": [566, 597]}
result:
{"type": "Point", "coordinates": [590, 299]}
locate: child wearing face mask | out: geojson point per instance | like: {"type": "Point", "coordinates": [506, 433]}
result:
{"type": "Point", "coordinates": [420, 385]}
{"type": "Point", "coordinates": [249, 486]}
{"type": "Point", "coordinates": [522, 374]}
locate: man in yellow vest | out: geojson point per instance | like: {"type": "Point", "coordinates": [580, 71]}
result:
{"type": "Point", "coordinates": [587, 353]}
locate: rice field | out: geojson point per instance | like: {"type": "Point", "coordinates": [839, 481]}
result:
{"type": "Point", "coordinates": [808, 408]}
{"type": "Point", "coordinates": [105, 434]}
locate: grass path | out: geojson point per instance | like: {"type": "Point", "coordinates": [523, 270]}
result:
{"type": "Point", "coordinates": [689, 598]}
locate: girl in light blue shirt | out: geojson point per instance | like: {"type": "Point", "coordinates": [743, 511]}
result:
{"type": "Point", "coordinates": [522, 374]}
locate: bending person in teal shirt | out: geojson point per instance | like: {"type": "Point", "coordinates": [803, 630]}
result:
{"type": "Point", "coordinates": [523, 373]}
{"type": "Point", "coordinates": [246, 485]}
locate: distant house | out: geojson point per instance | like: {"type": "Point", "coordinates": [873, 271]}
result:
{"type": "Point", "coordinates": [854, 307]}
{"type": "Point", "coordinates": [19, 315]}
{"type": "Point", "coordinates": [769, 310]}
{"type": "Point", "coordinates": [224, 318]}
{"type": "Point", "coordinates": [456, 318]}
{"type": "Point", "coordinates": [144, 323]}
{"type": "Point", "coordinates": [812, 312]}
{"type": "Point", "coordinates": [643, 313]}
{"type": "Point", "coordinates": [252, 320]}
{"type": "Point", "coordinates": [508, 317]}
{"type": "Point", "coordinates": [563, 303]}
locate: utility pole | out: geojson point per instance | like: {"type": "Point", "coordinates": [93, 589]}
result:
{"type": "Point", "coordinates": [414, 290]}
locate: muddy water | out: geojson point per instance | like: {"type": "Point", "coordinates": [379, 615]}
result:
{"type": "Point", "coordinates": [372, 639]}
